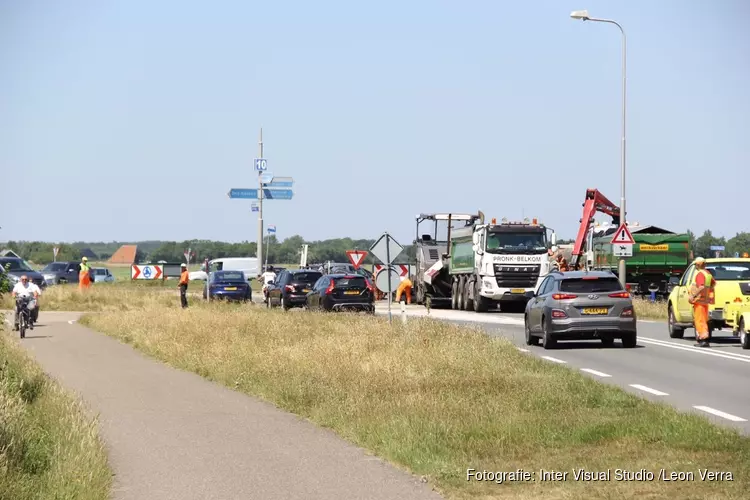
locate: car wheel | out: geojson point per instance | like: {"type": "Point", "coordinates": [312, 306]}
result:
{"type": "Point", "coordinates": [461, 305]}
{"type": "Point", "coordinates": [744, 337]}
{"type": "Point", "coordinates": [530, 339]}
{"type": "Point", "coordinates": [548, 342]}
{"type": "Point", "coordinates": [629, 340]}
{"type": "Point", "coordinates": [284, 305]}
{"type": "Point", "coordinates": [674, 331]}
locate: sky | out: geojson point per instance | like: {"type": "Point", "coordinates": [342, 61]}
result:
{"type": "Point", "coordinates": [131, 120]}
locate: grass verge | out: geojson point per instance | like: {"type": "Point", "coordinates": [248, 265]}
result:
{"type": "Point", "coordinates": [439, 399]}
{"type": "Point", "coordinates": [49, 449]}
{"type": "Point", "coordinates": [645, 309]}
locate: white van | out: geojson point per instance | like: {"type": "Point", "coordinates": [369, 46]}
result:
{"type": "Point", "coordinates": [248, 265]}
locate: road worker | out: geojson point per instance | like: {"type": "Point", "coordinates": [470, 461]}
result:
{"type": "Point", "coordinates": [84, 278]}
{"type": "Point", "coordinates": [701, 295]}
{"type": "Point", "coordinates": [562, 262]}
{"type": "Point", "coordinates": [183, 285]}
{"type": "Point", "coordinates": [404, 289]}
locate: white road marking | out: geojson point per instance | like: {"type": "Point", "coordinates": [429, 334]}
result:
{"type": "Point", "coordinates": [522, 349]}
{"type": "Point", "coordinates": [721, 414]}
{"type": "Point", "coordinates": [699, 350]}
{"type": "Point", "coordinates": [71, 321]}
{"type": "Point", "coordinates": [648, 389]}
{"type": "Point", "coordinates": [594, 372]}
{"type": "Point", "coordinates": [554, 360]}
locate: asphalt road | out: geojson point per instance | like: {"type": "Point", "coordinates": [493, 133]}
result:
{"type": "Point", "coordinates": [172, 435]}
{"type": "Point", "coordinates": [712, 382]}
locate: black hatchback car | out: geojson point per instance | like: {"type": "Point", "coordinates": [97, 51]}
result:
{"type": "Point", "coordinates": [342, 292]}
{"type": "Point", "coordinates": [290, 288]}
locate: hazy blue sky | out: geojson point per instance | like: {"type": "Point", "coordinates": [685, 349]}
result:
{"type": "Point", "coordinates": [130, 120]}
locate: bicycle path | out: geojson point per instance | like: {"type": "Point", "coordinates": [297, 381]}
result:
{"type": "Point", "coordinates": [171, 434]}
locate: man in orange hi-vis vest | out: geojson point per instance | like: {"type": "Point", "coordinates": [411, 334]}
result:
{"type": "Point", "coordinates": [404, 287]}
{"type": "Point", "coordinates": [701, 295]}
{"type": "Point", "coordinates": [84, 278]}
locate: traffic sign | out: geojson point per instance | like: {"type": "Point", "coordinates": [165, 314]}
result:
{"type": "Point", "coordinates": [278, 194]}
{"type": "Point", "coordinates": [254, 207]}
{"type": "Point", "coordinates": [386, 249]}
{"type": "Point", "coordinates": [717, 248]}
{"type": "Point", "coordinates": [356, 257]}
{"type": "Point", "coordinates": [261, 164]}
{"type": "Point", "coordinates": [622, 250]}
{"type": "Point", "coordinates": [279, 182]}
{"type": "Point", "coordinates": [268, 193]}
{"type": "Point", "coordinates": [384, 284]}
{"type": "Point", "coordinates": [55, 251]}
{"type": "Point", "coordinates": [141, 272]}
{"type": "Point", "coordinates": [622, 236]}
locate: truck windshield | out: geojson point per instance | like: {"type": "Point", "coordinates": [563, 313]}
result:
{"type": "Point", "coordinates": [521, 242]}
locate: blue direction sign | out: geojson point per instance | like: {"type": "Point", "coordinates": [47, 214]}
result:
{"type": "Point", "coordinates": [261, 164]}
{"type": "Point", "coordinates": [278, 194]}
{"type": "Point", "coordinates": [279, 182]}
{"type": "Point", "coordinates": [269, 194]}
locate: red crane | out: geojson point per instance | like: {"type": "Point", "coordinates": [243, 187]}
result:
{"type": "Point", "coordinates": [595, 202]}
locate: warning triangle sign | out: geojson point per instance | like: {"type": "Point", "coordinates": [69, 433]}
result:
{"type": "Point", "coordinates": [357, 257]}
{"type": "Point", "coordinates": [623, 236]}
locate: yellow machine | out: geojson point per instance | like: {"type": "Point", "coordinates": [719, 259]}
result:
{"type": "Point", "coordinates": [731, 307]}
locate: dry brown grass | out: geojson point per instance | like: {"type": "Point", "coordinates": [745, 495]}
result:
{"type": "Point", "coordinates": [439, 399]}
{"type": "Point", "coordinates": [49, 449]}
{"type": "Point", "coordinates": [645, 309]}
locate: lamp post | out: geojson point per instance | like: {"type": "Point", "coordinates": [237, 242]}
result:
{"type": "Point", "coordinates": [584, 16]}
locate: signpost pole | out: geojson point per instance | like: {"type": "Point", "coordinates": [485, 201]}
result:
{"type": "Point", "coordinates": [388, 270]}
{"type": "Point", "coordinates": [260, 204]}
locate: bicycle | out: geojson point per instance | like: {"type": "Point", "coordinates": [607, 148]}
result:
{"type": "Point", "coordinates": [24, 314]}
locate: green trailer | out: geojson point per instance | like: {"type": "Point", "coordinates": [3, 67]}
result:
{"type": "Point", "coordinates": [659, 258]}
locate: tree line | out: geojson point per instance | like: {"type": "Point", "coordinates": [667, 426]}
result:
{"type": "Point", "coordinates": [283, 252]}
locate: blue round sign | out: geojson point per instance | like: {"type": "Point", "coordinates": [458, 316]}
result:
{"type": "Point", "coordinates": [147, 271]}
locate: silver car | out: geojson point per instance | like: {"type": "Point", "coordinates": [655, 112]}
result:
{"type": "Point", "coordinates": [102, 274]}
{"type": "Point", "coordinates": [580, 305]}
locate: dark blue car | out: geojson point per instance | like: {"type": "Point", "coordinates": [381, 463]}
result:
{"type": "Point", "coordinates": [229, 285]}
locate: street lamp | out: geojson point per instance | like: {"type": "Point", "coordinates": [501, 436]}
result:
{"type": "Point", "coordinates": [584, 16]}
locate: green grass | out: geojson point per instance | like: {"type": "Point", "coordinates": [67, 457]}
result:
{"type": "Point", "coordinates": [49, 449]}
{"type": "Point", "coordinates": [438, 399]}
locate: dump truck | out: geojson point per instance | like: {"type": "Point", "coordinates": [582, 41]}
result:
{"type": "Point", "coordinates": [479, 266]}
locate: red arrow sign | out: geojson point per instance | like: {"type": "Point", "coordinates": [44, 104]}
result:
{"type": "Point", "coordinates": [135, 271]}
{"type": "Point", "coordinates": [158, 272]}
{"type": "Point", "coordinates": [357, 257]}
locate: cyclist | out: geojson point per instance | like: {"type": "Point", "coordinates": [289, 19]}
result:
{"type": "Point", "coordinates": [23, 289]}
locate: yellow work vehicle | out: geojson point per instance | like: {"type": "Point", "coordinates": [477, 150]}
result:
{"type": "Point", "coordinates": [731, 304]}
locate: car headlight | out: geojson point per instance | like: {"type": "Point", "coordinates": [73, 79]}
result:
{"type": "Point", "coordinates": [14, 278]}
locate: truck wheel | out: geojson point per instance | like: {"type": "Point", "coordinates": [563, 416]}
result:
{"type": "Point", "coordinates": [480, 303]}
{"type": "Point", "coordinates": [468, 300]}
{"type": "Point", "coordinates": [454, 295]}
{"type": "Point", "coordinates": [744, 337]}
{"type": "Point", "coordinates": [675, 332]}
{"type": "Point", "coordinates": [461, 305]}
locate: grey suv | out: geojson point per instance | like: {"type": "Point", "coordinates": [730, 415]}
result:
{"type": "Point", "coordinates": [580, 305]}
{"type": "Point", "coordinates": [56, 273]}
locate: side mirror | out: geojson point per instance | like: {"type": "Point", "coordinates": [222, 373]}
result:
{"type": "Point", "coordinates": [530, 295]}
{"type": "Point", "coordinates": [553, 238]}
{"type": "Point", "coordinates": [476, 249]}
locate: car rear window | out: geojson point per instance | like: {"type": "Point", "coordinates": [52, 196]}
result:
{"type": "Point", "coordinates": [353, 282]}
{"type": "Point", "coordinates": [590, 285]}
{"type": "Point", "coordinates": [306, 277]}
{"type": "Point", "coordinates": [230, 276]}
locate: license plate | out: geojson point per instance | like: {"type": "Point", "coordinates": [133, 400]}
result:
{"type": "Point", "coordinates": [595, 310]}
{"type": "Point", "coordinates": [518, 290]}
{"type": "Point", "coordinates": [351, 292]}
{"type": "Point", "coordinates": [305, 290]}
{"type": "Point", "coordinates": [230, 288]}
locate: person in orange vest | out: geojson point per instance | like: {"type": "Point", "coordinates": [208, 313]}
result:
{"type": "Point", "coordinates": [404, 288]}
{"type": "Point", "coordinates": [701, 295]}
{"type": "Point", "coordinates": [84, 276]}
{"type": "Point", "coordinates": [183, 285]}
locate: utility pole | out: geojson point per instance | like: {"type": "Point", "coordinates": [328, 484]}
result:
{"type": "Point", "coordinates": [260, 206]}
